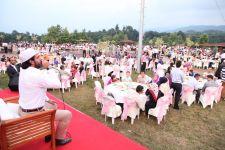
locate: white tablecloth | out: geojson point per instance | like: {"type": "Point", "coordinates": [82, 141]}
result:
{"type": "Point", "coordinates": [201, 82]}
{"type": "Point", "coordinates": [120, 90]}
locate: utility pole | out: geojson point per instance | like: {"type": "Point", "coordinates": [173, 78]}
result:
{"type": "Point", "coordinates": [140, 35]}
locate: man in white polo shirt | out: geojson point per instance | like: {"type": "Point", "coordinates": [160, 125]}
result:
{"type": "Point", "coordinates": [33, 84]}
{"type": "Point", "coordinates": [177, 76]}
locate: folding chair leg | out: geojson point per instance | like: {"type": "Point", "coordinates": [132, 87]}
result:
{"type": "Point", "coordinates": [132, 121]}
{"type": "Point", "coordinates": [158, 122]}
{"type": "Point", "coordinates": [113, 120]}
{"type": "Point", "coordinates": [76, 84]}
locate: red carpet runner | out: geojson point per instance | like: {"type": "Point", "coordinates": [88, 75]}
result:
{"type": "Point", "coordinates": [87, 133]}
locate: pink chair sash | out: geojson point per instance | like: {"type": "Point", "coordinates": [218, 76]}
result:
{"type": "Point", "coordinates": [127, 104]}
{"type": "Point", "coordinates": [99, 94]}
{"type": "Point", "coordinates": [168, 98]}
{"type": "Point", "coordinates": [77, 76]}
{"type": "Point", "coordinates": [210, 93]}
{"type": "Point", "coordinates": [218, 95]}
{"type": "Point", "coordinates": [102, 70]}
{"type": "Point", "coordinates": [83, 75]}
{"type": "Point", "coordinates": [187, 90]}
{"type": "Point", "coordinates": [91, 69]}
{"type": "Point", "coordinates": [107, 104]}
{"type": "Point", "coordinates": [161, 105]}
{"type": "Point", "coordinates": [2, 66]}
{"type": "Point", "coordinates": [106, 81]}
{"type": "Point", "coordinates": [156, 78]}
{"type": "Point", "coordinates": [65, 81]}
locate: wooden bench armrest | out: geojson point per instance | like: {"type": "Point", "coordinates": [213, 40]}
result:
{"type": "Point", "coordinates": [17, 132]}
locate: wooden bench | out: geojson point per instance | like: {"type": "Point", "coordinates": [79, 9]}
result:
{"type": "Point", "coordinates": [17, 132]}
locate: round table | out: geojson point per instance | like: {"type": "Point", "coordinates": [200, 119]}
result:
{"type": "Point", "coordinates": [121, 90]}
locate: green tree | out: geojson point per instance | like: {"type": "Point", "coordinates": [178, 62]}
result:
{"type": "Point", "coordinates": [159, 42]}
{"type": "Point", "coordinates": [74, 36]}
{"type": "Point", "coordinates": [181, 36]}
{"type": "Point", "coordinates": [204, 38]}
{"type": "Point", "coordinates": [196, 44]}
{"type": "Point", "coordinates": [171, 40]}
{"type": "Point", "coordinates": [2, 37]}
{"type": "Point", "coordinates": [131, 33]}
{"type": "Point", "coordinates": [151, 42]}
{"type": "Point", "coordinates": [189, 42]}
{"type": "Point", "coordinates": [64, 36]}
{"type": "Point", "coordinates": [18, 37]}
{"type": "Point", "coordinates": [53, 34]}
{"type": "Point", "coordinates": [117, 29]}
{"type": "Point", "coordinates": [34, 38]}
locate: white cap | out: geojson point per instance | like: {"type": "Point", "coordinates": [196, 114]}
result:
{"type": "Point", "coordinates": [27, 54]}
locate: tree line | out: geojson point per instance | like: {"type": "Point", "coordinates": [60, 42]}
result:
{"type": "Point", "coordinates": [59, 35]}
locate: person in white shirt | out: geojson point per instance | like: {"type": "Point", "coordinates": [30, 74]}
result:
{"type": "Point", "coordinates": [177, 76]}
{"type": "Point", "coordinates": [143, 78]}
{"type": "Point", "coordinates": [127, 77]}
{"type": "Point", "coordinates": [33, 84]}
{"type": "Point", "coordinates": [193, 82]}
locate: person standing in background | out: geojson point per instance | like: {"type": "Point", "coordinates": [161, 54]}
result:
{"type": "Point", "coordinates": [177, 76]}
{"type": "Point", "coordinates": [13, 71]}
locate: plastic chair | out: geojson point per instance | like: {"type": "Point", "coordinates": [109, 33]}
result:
{"type": "Point", "coordinates": [209, 96]}
{"type": "Point", "coordinates": [187, 95]}
{"type": "Point", "coordinates": [110, 109]}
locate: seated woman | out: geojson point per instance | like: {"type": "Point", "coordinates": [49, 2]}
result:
{"type": "Point", "coordinates": [152, 100]}
{"type": "Point", "coordinates": [73, 70]}
{"type": "Point", "coordinates": [81, 67]}
{"type": "Point", "coordinates": [127, 78]}
{"type": "Point", "coordinates": [113, 79]}
{"type": "Point", "coordinates": [168, 73]}
{"type": "Point", "coordinates": [143, 78]}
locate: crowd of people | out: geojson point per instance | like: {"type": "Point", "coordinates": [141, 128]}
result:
{"type": "Point", "coordinates": [171, 67]}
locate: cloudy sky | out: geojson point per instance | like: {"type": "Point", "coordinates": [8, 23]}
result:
{"type": "Point", "coordinates": [36, 16]}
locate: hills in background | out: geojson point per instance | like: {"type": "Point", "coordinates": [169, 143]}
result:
{"type": "Point", "coordinates": [199, 28]}
{"type": "Point", "coordinates": [58, 34]}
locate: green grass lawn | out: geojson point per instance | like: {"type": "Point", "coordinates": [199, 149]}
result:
{"type": "Point", "coordinates": [189, 128]}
